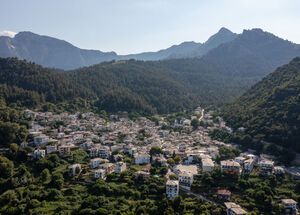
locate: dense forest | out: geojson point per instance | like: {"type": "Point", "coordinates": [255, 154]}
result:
{"type": "Point", "coordinates": [113, 87]}
{"type": "Point", "coordinates": [134, 86]}
{"type": "Point", "coordinates": [270, 110]}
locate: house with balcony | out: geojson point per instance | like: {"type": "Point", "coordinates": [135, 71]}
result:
{"type": "Point", "coordinates": [186, 179]}
{"type": "Point", "coordinates": [266, 167]}
{"type": "Point", "coordinates": [95, 162]}
{"type": "Point", "coordinates": [231, 167]}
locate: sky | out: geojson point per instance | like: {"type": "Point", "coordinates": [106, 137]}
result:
{"type": "Point", "coordinates": [133, 26]}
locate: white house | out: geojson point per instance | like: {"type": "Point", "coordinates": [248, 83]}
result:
{"type": "Point", "coordinates": [207, 165]}
{"type": "Point", "coordinates": [95, 162]}
{"type": "Point", "coordinates": [172, 188]}
{"type": "Point", "coordinates": [99, 173]}
{"type": "Point", "coordinates": [39, 153]}
{"type": "Point", "coordinates": [279, 170]}
{"type": "Point", "coordinates": [74, 169]}
{"type": "Point", "coordinates": [120, 167]}
{"type": "Point", "coordinates": [142, 159]}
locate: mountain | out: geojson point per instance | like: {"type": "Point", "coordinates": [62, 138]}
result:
{"type": "Point", "coordinates": [223, 36]}
{"type": "Point", "coordinates": [182, 50]}
{"type": "Point", "coordinates": [271, 108]}
{"type": "Point", "coordinates": [50, 52]}
{"type": "Point", "coordinates": [254, 53]}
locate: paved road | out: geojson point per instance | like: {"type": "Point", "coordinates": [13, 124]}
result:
{"type": "Point", "coordinates": [202, 115]}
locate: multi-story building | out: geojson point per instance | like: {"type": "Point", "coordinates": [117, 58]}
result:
{"type": "Point", "coordinates": [104, 152]}
{"type": "Point", "coordinates": [289, 206]}
{"type": "Point", "coordinates": [172, 188]}
{"type": "Point", "coordinates": [231, 167]}
{"type": "Point", "coordinates": [207, 165]}
{"type": "Point", "coordinates": [74, 169]}
{"type": "Point", "coordinates": [64, 150]}
{"type": "Point", "coordinates": [99, 173]}
{"type": "Point", "coordinates": [142, 159]}
{"type": "Point", "coordinates": [266, 167]}
{"type": "Point", "coordinates": [186, 179]}
{"type": "Point", "coordinates": [95, 162]}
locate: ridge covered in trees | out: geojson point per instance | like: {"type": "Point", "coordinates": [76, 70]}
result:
{"type": "Point", "coordinates": [270, 110]}
{"type": "Point", "coordinates": [115, 86]}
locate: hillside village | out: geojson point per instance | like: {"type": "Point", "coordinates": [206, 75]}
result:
{"type": "Point", "coordinates": [179, 150]}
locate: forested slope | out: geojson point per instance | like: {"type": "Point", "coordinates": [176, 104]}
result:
{"type": "Point", "coordinates": [271, 108]}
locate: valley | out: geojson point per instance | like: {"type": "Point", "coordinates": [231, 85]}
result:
{"type": "Point", "coordinates": [196, 128]}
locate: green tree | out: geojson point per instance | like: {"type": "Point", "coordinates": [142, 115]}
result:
{"type": "Point", "coordinates": [155, 150]}
{"type": "Point", "coordinates": [45, 176]}
{"type": "Point", "coordinates": [195, 123]}
{"type": "Point", "coordinates": [6, 167]}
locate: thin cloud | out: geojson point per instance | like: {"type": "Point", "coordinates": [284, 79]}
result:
{"type": "Point", "coordinates": [8, 33]}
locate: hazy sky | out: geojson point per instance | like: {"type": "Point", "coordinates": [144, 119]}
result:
{"type": "Point", "coordinates": [131, 26]}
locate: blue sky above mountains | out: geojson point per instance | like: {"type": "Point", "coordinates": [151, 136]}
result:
{"type": "Point", "coordinates": [132, 26]}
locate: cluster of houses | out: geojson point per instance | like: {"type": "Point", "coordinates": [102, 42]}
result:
{"type": "Point", "coordinates": [245, 163]}
{"type": "Point", "coordinates": [106, 141]}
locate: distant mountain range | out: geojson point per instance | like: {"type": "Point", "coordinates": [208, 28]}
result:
{"type": "Point", "coordinates": [52, 52]}
{"type": "Point", "coordinates": [271, 108]}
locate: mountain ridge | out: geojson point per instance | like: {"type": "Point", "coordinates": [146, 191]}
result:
{"type": "Point", "coordinates": [271, 108]}
{"type": "Point", "coordinates": [43, 50]}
